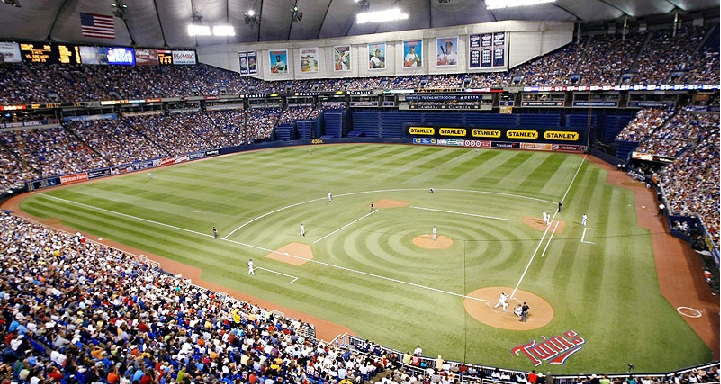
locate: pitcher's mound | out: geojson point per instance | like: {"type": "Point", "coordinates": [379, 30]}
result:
{"type": "Point", "coordinates": [426, 241]}
{"type": "Point", "coordinates": [480, 307]}
{"type": "Point", "coordinates": [293, 254]}
{"type": "Point", "coordinates": [541, 226]}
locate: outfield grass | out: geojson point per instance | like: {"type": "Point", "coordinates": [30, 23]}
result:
{"type": "Point", "coordinates": [607, 291]}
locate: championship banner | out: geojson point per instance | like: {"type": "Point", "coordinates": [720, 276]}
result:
{"type": "Point", "coordinates": [278, 61]}
{"type": "Point", "coordinates": [10, 53]}
{"type": "Point", "coordinates": [499, 49]}
{"type": "Point", "coordinates": [308, 59]}
{"type": "Point", "coordinates": [341, 58]}
{"type": "Point", "coordinates": [447, 52]}
{"type": "Point", "coordinates": [377, 56]}
{"type": "Point", "coordinates": [248, 63]}
{"type": "Point", "coordinates": [413, 54]}
{"type": "Point", "coordinates": [146, 57]}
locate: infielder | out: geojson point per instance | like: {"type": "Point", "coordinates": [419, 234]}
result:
{"type": "Point", "coordinates": [584, 219]}
{"type": "Point", "coordinates": [502, 301]}
{"type": "Point", "coordinates": [435, 233]}
{"type": "Point", "coordinates": [330, 197]}
{"type": "Point", "coordinates": [546, 217]}
{"type": "Point", "coordinates": [251, 267]}
{"type": "Point", "coordinates": [302, 230]}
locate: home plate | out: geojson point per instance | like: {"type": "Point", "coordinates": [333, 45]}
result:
{"type": "Point", "coordinates": [100, 239]}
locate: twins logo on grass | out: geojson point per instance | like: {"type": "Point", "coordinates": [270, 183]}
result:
{"type": "Point", "coordinates": [556, 349]}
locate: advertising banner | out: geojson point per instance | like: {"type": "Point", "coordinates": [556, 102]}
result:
{"type": "Point", "coordinates": [95, 173]}
{"type": "Point", "coordinates": [186, 57]}
{"type": "Point", "coordinates": [76, 178]}
{"type": "Point", "coordinates": [146, 57]}
{"type": "Point", "coordinates": [476, 143]}
{"type": "Point", "coordinates": [555, 136]}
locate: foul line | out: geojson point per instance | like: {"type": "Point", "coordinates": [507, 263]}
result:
{"type": "Point", "coordinates": [543, 254]}
{"type": "Point", "coordinates": [278, 273]}
{"type": "Point", "coordinates": [583, 236]}
{"type": "Point", "coordinates": [460, 213]}
{"type": "Point", "coordinates": [525, 270]}
{"type": "Point", "coordinates": [343, 227]}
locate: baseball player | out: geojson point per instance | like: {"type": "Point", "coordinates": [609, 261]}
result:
{"type": "Point", "coordinates": [584, 219]}
{"type": "Point", "coordinates": [330, 197]}
{"type": "Point", "coordinates": [435, 233]}
{"type": "Point", "coordinates": [251, 267]}
{"type": "Point", "coordinates": [372, 208]}
{"type": "Point", "coordinates": [545, 217]}
{"type": "Point", "coordinates": [502, 301]}
{"type": "Point", "coordinates": [215, 233]}
{"type": "Point", "coordinates": [302, 230]}
{"type": "Point", "coordinates": [524, 312]}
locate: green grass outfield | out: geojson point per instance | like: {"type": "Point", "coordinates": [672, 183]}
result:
{"type": "Point", "coordinates": [607, 292]}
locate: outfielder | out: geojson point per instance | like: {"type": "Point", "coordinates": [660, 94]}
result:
{"type": "Point", "coordinates": [502, 301]}
{"type": "Point", "coordinates": [302, 230]}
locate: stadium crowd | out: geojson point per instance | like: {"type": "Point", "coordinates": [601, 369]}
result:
{"type": "Point", "coordinates": [683, 130]}
{"type": "Point", "coordinates": [645, 121]}
{"type": "Point", "coordinates": [691, 183]}
{"type": "Point", "coordinates": [654, 57]}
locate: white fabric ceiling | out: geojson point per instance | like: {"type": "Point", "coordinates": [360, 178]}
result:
{"type": "Point", "coordinates": [160, 23]}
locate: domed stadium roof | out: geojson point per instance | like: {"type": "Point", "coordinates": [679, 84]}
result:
{"type": "Point", "coordinates": [161, 23]}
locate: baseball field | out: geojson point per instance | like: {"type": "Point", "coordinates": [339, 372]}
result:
{"type": "Point", "coordinates": [591, 289]}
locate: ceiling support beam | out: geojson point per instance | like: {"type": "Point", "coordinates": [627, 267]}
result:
{"type": "Point", "coordinates": [55, 20]}
{"type": "Point", "coordinates": [327, 9]}
{"type": "Point", "coordinates": [160, 23]}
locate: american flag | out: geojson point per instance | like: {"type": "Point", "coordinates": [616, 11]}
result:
{"type": "Point", "coordinates": [96, 25]}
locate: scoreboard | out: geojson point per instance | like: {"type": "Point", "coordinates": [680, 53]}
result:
{"type": "Point", "coordinates": [61, 53]}
{"type": "Point", "coordinates": [49, 53]}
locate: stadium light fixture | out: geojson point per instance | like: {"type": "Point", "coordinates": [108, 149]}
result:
{"type": "Point", "coordinates": [296, 14]}
{"type": "Point", "coordinates": [199, 30]}
{"type": "Point", "coordinates": [500, 4]}
{"type": "Point", "coordinates": [394, 14]}
{"type": "Point", "coordinates": [223, 30]}
{"type": "Point", "coordinates": [251, 18]}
